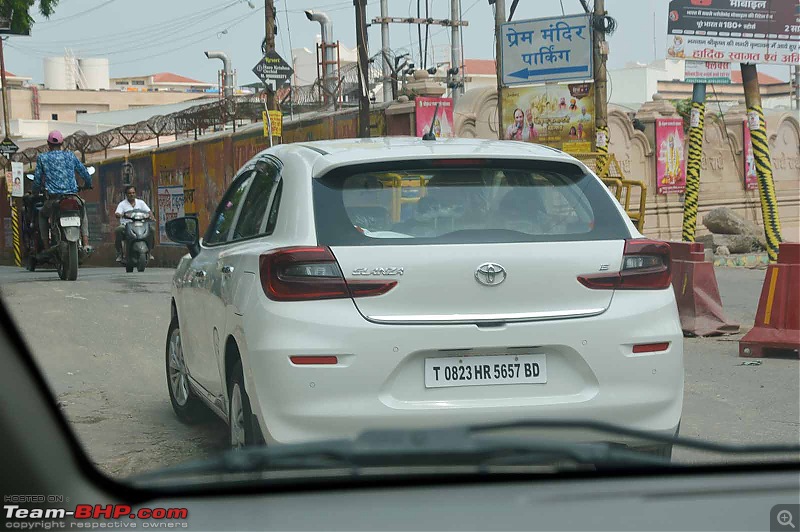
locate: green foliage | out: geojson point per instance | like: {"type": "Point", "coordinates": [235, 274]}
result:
{"type": "Point", "coordinates": [19, 11]}
{"type": "Point", "coordinates": [684, 108]}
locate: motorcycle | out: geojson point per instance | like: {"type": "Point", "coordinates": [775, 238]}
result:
{"type": "Point", "coordinates": [135, 248]}
{"type": "Point", "coordinates": [62, 251]}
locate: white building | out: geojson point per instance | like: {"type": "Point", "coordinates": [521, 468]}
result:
{"type": "Point", "coordinates": [162, 81]}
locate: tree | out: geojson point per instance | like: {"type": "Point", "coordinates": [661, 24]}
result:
{"type": "Point", "coordinates": [18, 12]}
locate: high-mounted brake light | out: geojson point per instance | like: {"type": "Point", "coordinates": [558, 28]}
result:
{"type": "Point", "coordinates": [646, 265]}
{"type": "Point", "coordinates": [311, 273]}
{"type": "Point", "coordinates": [458, 162]}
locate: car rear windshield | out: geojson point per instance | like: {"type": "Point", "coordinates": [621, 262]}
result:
{"type": "Point", "coordinates": [469, 201]}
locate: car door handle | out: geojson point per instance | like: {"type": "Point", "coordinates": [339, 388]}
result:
{"type": "Point", "coordinates": [227, 270]}
{"type": "Point", "coordinates": [200, 273]}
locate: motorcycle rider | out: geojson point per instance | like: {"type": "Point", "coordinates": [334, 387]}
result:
{"type": "Point", "coordinates": [130, 203]}
{"type": "Point", "coordinates": [55, 172]}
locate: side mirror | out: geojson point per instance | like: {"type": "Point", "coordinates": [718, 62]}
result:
{"type": "Point", "coordinates": [186, 231]}
{"type": "Point", "coordinates": [30, 176]}
{"type": "Point", "coordinates": [91, 170]}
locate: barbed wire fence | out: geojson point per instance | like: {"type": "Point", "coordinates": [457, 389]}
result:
{"type": "Point", "coordinates": [216, 114]}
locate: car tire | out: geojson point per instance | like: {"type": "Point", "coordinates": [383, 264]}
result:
{"type": "Point", "coordinates": [240, 414]}
{"type": "Point", "coordinates": [187, 407]}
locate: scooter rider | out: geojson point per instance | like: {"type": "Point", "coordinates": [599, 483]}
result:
{"type": "Point", "coordinates": [55, 172]}
{"type": "Point", "coordinates": [131, 202]}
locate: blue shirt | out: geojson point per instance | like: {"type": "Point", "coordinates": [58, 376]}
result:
{"type": "Point", "coordinates": [57, 170]}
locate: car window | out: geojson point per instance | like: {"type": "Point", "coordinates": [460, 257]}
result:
{"type": "Point", "coordinates": [255, 206]}
{"type": "Point", "coordinates": [225, 217]}
{"type": "Point", "coordinates": [494, 201]}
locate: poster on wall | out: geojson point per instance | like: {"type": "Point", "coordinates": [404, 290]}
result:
{"type": "Point", "coordinates": [671, 162]}
{"type": "Point", "coordinates": [750, 174]}
{"type": "Point", "coordinates": [443, 125]}
{"type": "Point", "coordinates": [558, 115]}
{"type": "Point", "coordinates": [170, 206]}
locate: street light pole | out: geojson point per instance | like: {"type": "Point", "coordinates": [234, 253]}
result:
{"type": "Point", "coordinates": [388, 94]}
{"type": "Point", "coordinates": [269, 23]}
{"type": "Point", "coordinates": [499, 19]}
{"type": "Point", "coordinates": [6, 130]}
{"type": "Point", "coordinates": [600, 91]}
{"type": "Point", "coordinates": [455, 50]}
{"type": "Point", "coordinates": [363, 68]}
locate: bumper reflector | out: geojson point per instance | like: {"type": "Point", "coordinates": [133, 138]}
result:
{"type": "Point", "coordinates": [313, 360]}
{"type": "Point", "coordinates": [650, 348]}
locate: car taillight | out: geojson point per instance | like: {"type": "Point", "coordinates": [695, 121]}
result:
{"type": "Point", "coordinates": [645, 266]}
{"type": "Point", "coordinates": [305, 274]}
{"type": "Point", "coordinates": [69, 204]}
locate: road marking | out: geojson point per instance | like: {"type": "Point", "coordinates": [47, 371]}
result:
{"type": "Point", "coordinates": [773, 281]}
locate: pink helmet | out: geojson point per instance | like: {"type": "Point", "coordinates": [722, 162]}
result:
{"type": "Point", "coordinates": [55, 137]}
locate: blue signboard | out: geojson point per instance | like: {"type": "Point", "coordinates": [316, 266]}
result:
{"type": "Point", "coordinates": [547, 49]}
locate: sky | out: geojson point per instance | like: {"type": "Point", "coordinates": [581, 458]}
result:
{"type": "Point", "coordinates": [143, 37]}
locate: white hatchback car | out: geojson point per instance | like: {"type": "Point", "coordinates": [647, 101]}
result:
{"type": "Point", "coordinates": [404, 283]}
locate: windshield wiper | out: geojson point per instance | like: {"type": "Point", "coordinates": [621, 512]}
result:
{"type": "Point", "coordinates": [474, 447]}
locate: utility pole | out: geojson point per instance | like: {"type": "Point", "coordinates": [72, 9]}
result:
{"type": "Point", "coordinates": [387, 68]}
{"type": "Point", "coordinates": [363, 68]}
{"type": "Point", "coordinates": [796, 87]}
{"type": "Point", "coordinates": [696, 123]}
{"type": "Point", "coordinates": [758, 135]}
{"type": "Point", "coordinates": [269, 27]}
{"type": "Point", "coordinates": [455, 51]}
{"type": "Point", "coordinates": [499, 19]}
{"type": "Point", "coordinates": [6, 130]}
{"type": "Point", "coordinates": [600, 95]}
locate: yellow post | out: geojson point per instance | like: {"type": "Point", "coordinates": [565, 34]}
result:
{"type": "Point", "coordinates": [15, 233]}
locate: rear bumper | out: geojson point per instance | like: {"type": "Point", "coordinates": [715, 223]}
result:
{"type": "Point", "coordinates": [378, 382]}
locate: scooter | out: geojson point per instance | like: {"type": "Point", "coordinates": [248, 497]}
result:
{"type": "Point", "coordinates": [65, 233]}
{"type": "Point", "coordinates": [135, 250]}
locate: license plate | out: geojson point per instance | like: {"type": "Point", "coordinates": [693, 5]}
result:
{"type": "Point", "coordinates": [138, 224]}
{"type": "Point", "coordinates": [485, 370]}
{"type": "Point", "coordinates": [70, 221]}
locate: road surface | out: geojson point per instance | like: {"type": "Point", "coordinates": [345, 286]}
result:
{"type": "Point", "coordinates": [100, 342]}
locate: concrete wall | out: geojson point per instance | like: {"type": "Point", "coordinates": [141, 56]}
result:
{"type": "Point", "coordinates": [721, 181]}
{"type": "Point", "coordinates": [201, 170]}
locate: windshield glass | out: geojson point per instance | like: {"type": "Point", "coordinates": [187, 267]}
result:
{"type": "Point", "coordinates": [346, 258]}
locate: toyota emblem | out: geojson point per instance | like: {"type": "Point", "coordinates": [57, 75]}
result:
{"type": "Point", "coordinates": [490, 274]}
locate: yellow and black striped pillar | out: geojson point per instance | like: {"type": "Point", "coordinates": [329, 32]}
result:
{"type": "Point", "coordinates": [758, 136]}
{"type": "Point", "coordinates": [692, 194]}
{"type": "Point", "coordinates": [15, 233]}
{"type": "Point", "coordinates": [766, 186]}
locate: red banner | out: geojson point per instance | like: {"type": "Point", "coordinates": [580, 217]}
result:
{"type": "Point", "coordinates": [671, 161]}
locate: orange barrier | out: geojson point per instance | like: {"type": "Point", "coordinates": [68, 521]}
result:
{"type": "Point", "coordinates": [697, 292]}
{"type": "Point", "coordinates": [778, 316]}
